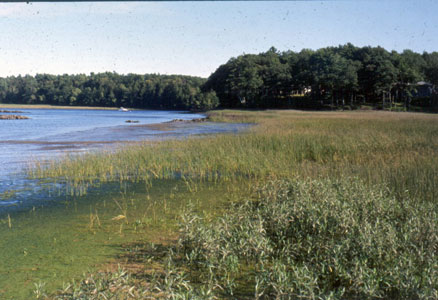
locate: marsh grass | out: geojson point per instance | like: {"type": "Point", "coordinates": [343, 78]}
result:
{"type": "Point", "coordinates": [398, 148]}
{"type": "Point", "coordinates": [345, 209]}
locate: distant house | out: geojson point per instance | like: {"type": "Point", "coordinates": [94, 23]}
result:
{"type": "Point", "coordinates": [423, 89]}
{"type": "Point", "coordinates": [302, 92]}
{"type": "Point", "coordinates": [425, 94]}
{"type": "Point", "coordinates": [307, 90]}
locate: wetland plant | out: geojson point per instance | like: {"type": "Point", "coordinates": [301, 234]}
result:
{"type": "Point", "coordinates": [346, 207]}
{"type": "Point", "coordinates": [314, 239]}
{"type": "Point", "coordinates": [295, 239]}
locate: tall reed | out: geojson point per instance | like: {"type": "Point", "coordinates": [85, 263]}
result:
{"type": "Point", "coordinates": [399, 148]}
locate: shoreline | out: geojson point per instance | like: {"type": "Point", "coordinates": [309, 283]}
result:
{"type": "Point", "coordinates": [164, 130]}
{"type": "Point", "coordinates": [47, 106]}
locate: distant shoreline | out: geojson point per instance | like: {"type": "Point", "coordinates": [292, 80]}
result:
{"type": "Point", "coordinates": [46, 106]}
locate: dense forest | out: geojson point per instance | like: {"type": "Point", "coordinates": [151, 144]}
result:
{"type": "Point", "coordinates": [334, 77]}
{"type": "Point", "coordinates": [109, 89]}
{"type": "Point", "coordinates": [329, 77]}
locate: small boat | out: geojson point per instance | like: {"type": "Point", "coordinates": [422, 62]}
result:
{"type": "Point", "coordinates": [123, 109]}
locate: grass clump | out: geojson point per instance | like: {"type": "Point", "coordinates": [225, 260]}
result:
{"type": "Point", "coordinates": [101, 285]}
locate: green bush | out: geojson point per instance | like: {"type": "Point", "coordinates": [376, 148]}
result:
{"type": "Point", "coordinates": [315, 239]}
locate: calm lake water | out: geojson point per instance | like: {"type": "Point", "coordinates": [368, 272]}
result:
{"type": "Point", "coordinates": [53, 132]}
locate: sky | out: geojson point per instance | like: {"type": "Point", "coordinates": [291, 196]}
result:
{"type": "Point", "coordinates": [195, 38]}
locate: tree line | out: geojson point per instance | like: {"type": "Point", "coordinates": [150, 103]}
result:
{"type": "Point", "coordinates": [173, 92]}
{"type": "Point", "coordinates": [329, 77]}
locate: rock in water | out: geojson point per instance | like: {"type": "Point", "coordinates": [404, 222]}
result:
{"type": "Point", "coordinates": [13, 117]}
{"type": "Point", "coordinates": [10, 111]}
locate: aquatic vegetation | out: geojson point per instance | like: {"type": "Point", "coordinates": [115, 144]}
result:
{"type": "Point", "coordinates": [398, 148]}
{"type": "Point", "coordinates": [114, 285]}
{"type": "Point", "coordinates": [8, 194]}
{"type": "Point", "coordinates": [345, 206]}
{"type": "Point", "coordinates": [57, 243]}
{"type": "Point", "coordinates": [293, 239]}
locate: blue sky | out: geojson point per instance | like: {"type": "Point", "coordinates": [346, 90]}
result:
{"type": "Point", "coordinates": [194, 38]}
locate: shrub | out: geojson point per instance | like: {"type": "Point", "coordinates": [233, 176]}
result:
{"type": "Point", "coordinates": [316, 239]}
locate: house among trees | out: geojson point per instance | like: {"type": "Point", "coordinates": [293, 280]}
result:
{"type": "Point", "coordinates": [423, 89]}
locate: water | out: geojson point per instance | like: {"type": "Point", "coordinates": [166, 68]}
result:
{"type": "Point", "coordinates": [53, 132]}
